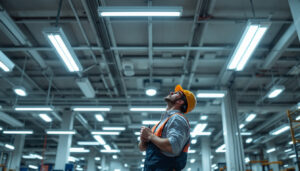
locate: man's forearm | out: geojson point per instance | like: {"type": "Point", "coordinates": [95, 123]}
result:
{"type": "Point", "coordinates": [162, 143]}
{"type": "Point", "coordinates": [142, 146]}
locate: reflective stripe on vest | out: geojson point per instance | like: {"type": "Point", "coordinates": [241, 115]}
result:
{"type": "Point", "coordinates": [159, 131]}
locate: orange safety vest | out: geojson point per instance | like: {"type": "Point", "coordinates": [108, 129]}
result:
{"type": "Point", "coordinates": [158, 132]}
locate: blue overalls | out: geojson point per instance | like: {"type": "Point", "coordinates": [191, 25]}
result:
{"type": "Point", "coordinates": [156, 161]}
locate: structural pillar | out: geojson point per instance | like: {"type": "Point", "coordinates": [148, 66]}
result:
{"type": "Point", "coordinates": [103, 163]}
{"type": "Point", "coordinates": [16, 155]}
{"type": "Point", "coordinates": [235, 160]}
{"type": "Point", "coordinates": [206, 153]}
{"type": "Point", "coordinates": [273, 157]}
{"type": "Point", "coordinates": [295, 6]}
{"type": "Point", "coordinates": [91, 165]}
{"type": "Point", "coordinates": [64, 142]}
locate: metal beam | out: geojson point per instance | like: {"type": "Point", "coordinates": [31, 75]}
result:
{"type": "Point", "coordinates": [287, 38]}
{"type": "Point", "coordinates": [295, 6]}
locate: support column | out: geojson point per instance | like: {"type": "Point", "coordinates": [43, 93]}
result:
{"type": "Point", "coordinates": [233, 142]}
{"type": "Point", "coordinates": [64, 142]}
{"type": "Point", "coordinates": [16, 155]}
{"type": "Point", "coordinates": [295, 6]}
{"type": "Point", "coordinates": [206, 153]}
{"type": "Point", "coordinates": [91, 165]}
{"type": "Point", "coordinates": [272, 157]}
{"type": "Point", "coordinates": [256, 166]}
{"type": "Point", "coordinates": [103, 163]}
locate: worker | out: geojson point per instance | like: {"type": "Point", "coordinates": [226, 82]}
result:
{"type": "Point", "coordinates": [167, 143]}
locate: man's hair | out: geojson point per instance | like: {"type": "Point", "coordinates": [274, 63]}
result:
{"type": "Point", "coordinates": [183, 107]}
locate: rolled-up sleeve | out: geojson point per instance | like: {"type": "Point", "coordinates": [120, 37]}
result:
{"type": "Point", "coordinates": [177, 133]}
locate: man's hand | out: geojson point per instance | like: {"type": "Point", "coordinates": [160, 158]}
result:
{"type": "Point", "coordinates": [146, 134]}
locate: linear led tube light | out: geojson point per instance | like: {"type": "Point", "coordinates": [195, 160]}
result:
{"type": "Point", "coordinates": [288, 150]}
{"type": "Point", "coordinates": [63, 48]}
{"type": "Point", "coordinates": [72, 159]}
{"type": "Point", "coordinates": [249, 140]}
{"type": "Point", "coordinates": [151, 92]}
{"type": "Point", "coordinates": [79, 150]}
{"type": "Point", "coordinates": [137, 133]}
{"type": "Point", "coordinates": [97, 158]}
{"type": "Point", "coordinates": [194, 134]}
{"type": "Point", "coordinates": [149, 122]}
{"type": "Point", "coordinates": [33, 167]}
{"type": "Point", "coordinates": [11, 147]}
{"type": "Point", "coordinates": [242, 126]}
{"type": "Point", "coordinates": [107, 147]}
{"type": "Point", "coordinates": [275, 91]}
{"type": "Point", "coordinates": [280, 129]}
{"type": "Point", "coordinates": [22, 132]}
{"type": "Point", "coordinates": [194, 141]}
{"type": "Point", "coordinates": [246, 133]}
{"type": "Point", "coordinates": [251, 37]}
{"type": "Point", "coordinates": [114, 128]}
{"type": "Point", "coordinates": [45, 117]}
{"type": "Point", "coordinates": [20, 91]}
{"type": "Point", "coordinates": [105, 133]}
{"type": "Point", "coordinates": [33, 108]}
{"type": "Point", "coordinates": [5, 63]}
{"type": "Point", "coordinates": [211, 94]}
{"type": "Point", "coordinates": [192, 160]}
{"type": "Point", "coordinates": [140, 11]}
{"type": "Point", "coordinates": [99, 117]}
{"type": "Point", "coordinates": [61, 132]}
{"type": "Point", "coordinates": [191, 151]}
{"type": "Point", "coordinates": [250, 117]}
{"type": "Point", "coordinates": [203, 117]}
{"type": "Point", "coordinates": [91, 108]}
{"type": "Point", "coordinates": [221, 149]}
{"type": "Point", "coordinates": [147, 109]}
{"type": "Point", "coordinates": [271, 150]}
{"type": "Point", "coordinates": [88, 143]}
{"type": "Point", "coordinates": [99, 139]}
{"type": "Point", "coordinates": [199, 128]}
{"type": "Point", "coordinates": [292, 156]}
{"type": "Point", "coordinates": [86, 87]}
{"type": "Point", "coordinates": [110, 151]}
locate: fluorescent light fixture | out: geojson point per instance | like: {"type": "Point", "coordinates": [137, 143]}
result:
{"type": "Point", "coordinates": [99, 117]}
{"type": "Point", "coordinates": [86, 87]}
{"type": "Point", "coordinates": [142, 165]}
{"type": "Point", "coordinates": [288, 150]}
{"type": "Point", "coordinates": [143, 160]}
{"type": "Point", "coordinates": [5, 63]}
{"type": "Point", "coordinates": [250, 117]}
{"type": "Point", "coordinates": [242, 126]}
{"type": "Point", "coordinates": [79, 150]}
{"type": "Point", "coordinates": [246, 133]}
{"type": "Point", "coordinates": [114, 128]}
{"type": "Point", "coordinates": [249, 140]}
{"type": "Point", "coordinates": [144, 153]}
{"type": "Point", "coordinates": [61, 132]}
{"type": "Point", "coordinates": [20, 91]}
{"type": "Point", "coordinates": [11, 147]}
{"type": "Point", "coordinates": [214, 165]}
{"type": "Point", "coordinates": [211, 93]}
{"type": "Point", "coordinates": [246, 46]}
{"type": "Point", "coordinates": [298, 107]}
{"type": "Point", "coordinates": [211, 157]}
{"type": "Point", "coordinates": [194, 141]}
{"type": "Point", "coordinates": [125, 165]}
{"type": "Point", "coordinates": [275, 91]}
{"type": "Point", "coordinates": [194, 134]}
{"type": "Point", "coordinates": [291, 142]}
{"type": "Point", "coordinates": [247, 159]}
{"type": "Point", "coordinates": [99, 139]}
{"type": "Point", "coordinates": [137, 133]}
{"type": "Point", "coordinates": [92, 109]}
{"type": "Point", "coordinates": [107, 147]}
{"type": "Point", "coordinates": [189, 169]}
{"type": "Point", "coordinates": [280, 129]}
{"type": "Point", "coordinates": [72, 159]}
{"type": "Point", "coordinates": [150, 122]}
{"type": "Point", "coordinates": [139, 11]}
{"type": "Point", "coordinates": [99, 167]}
{"type": "Point", "coordinates": [88, 143]}
{"type": "Point", "coordinates": [145, 109]}
{"type": "Point", "coordinates": [45, 117]}
{"type": "Point", "coordinates": [33, 108]}
{"type": "Point", "coordinates": [105, 133]}
{"type": "Point", "coordinates": [221, 149]}
{"type": "Point", "coordinates": [271, 150]}
{"type": "Point", "coordinates": [115, 157]}
{"type": "Point", "coordinates": [33, 167]}
{"type": "Point", "coordinates": [203, 117]}
{"type": "Point", "coordinates": [60, 43]}
{"type": "Point", "coordinates": [139, 138]}
{"type": "Point", "coordinates": [32, 156]}
{"type": "Point", "coordinates": [151, 92]}
{"type": "Point", "coordinates": [97, 158]}
{"type": "Point", "coordinates": [191, 151]}
{"type": "Point", "coordinates": [192, 160]}
{"type": "Point", "coordinates": [292, 156]}
{"type": "Point", "coordinates": [22, 132]}
{"type": "Point", "coordinates": [110, 151]}
{"type": "Point", "coordinates": [1, 128]}
{"type": "Point", "coordinates": [199, 128]}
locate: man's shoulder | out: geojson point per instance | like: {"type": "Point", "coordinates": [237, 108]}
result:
{"type": "Point", "coordinates": [177, 117]}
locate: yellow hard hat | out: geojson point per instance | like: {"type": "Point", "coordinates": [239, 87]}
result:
{"type": "Point", "coordinates": [190, 98]}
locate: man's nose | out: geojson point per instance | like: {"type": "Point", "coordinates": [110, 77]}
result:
{"type": "Point", "coordinates": [171, 93]}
